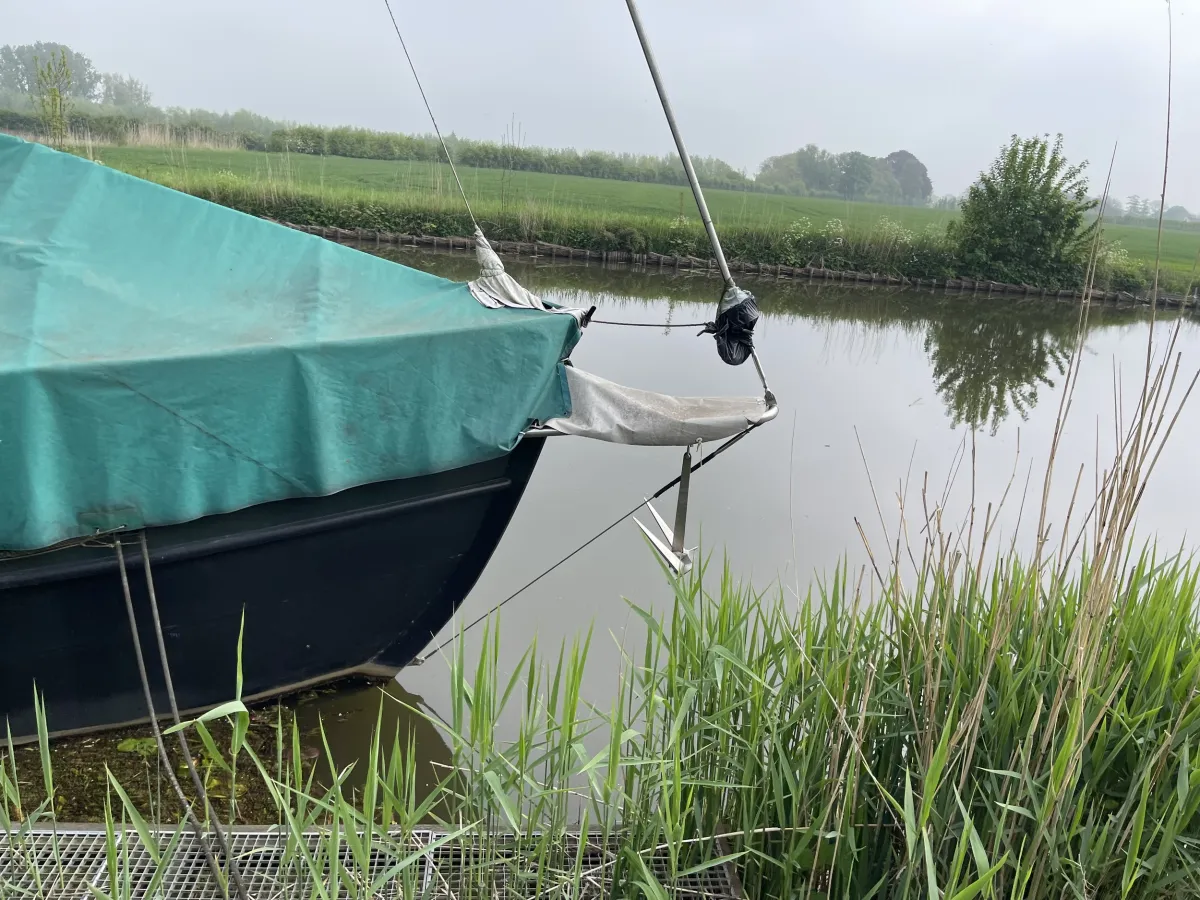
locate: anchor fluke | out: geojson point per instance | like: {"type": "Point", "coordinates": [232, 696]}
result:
{"type": "Point", "coordinates": [679, 562]}
{"type": "Point", "coordinates": [676, 556]}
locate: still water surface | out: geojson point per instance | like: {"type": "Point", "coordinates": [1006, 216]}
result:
{"type": "Point", "coordinates": [879, 391]}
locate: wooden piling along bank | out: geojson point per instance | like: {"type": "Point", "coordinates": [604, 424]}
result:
{"type": "Point", "coordinates": [662, 262]}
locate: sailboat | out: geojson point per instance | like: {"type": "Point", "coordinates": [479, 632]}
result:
{"type": "Point", "coordinates": [309, 452]}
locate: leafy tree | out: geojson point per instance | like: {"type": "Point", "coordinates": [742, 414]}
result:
{"type": "Point", "coordinates": [1177, 214]}
{"type": "Point", "coordinates": [19, 66]}
{"type": "Point", "coordinates": [52, 96]}
{"type": "Point", "coordinates": [855, 174]}
{"type": "Point", "coordinates": [123, 91]}
{"type": "Point", "coordinates": [1133, 205]}
{"type": "Point", "coordinates": [1026, 220]}
{"type": "Point", "coordinates": [809, 169]}
{"type": "Point", "coordinates": [912, 176]}
{"type": "Point", "coordinates": [884, 188]}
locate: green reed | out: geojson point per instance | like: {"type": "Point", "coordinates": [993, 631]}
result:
{"type": "Point", "coordinates": [947, 738]}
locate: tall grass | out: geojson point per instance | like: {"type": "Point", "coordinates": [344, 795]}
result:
{"type": "Point", "coordinates": [943, 739]}
{"type": "Point", "coordinates": [145, 134]}
{"type": "Point", "coordinates": [886, 247]}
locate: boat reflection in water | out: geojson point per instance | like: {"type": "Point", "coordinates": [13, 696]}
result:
{"type": "Point", "coordinates": [347, 716]}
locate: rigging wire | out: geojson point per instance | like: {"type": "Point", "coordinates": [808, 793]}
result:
{"type": "Point", "coordinates": [429, 110]}
{"type": "Point", "coordinates": [648, 324]}
{"type": "Point", "coordinates": [420, 660]}
{"type": "Point", "coordinates": [718, 252]}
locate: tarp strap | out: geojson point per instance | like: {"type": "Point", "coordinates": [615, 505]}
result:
{"type": "Point", "coordinates": [495, 288]}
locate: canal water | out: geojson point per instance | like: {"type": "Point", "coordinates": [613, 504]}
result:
{"type": "Point", "coordinates": [886, 397]}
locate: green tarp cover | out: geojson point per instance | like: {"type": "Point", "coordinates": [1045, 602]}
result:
{"type": "Point", "coordinates": [163, 358]}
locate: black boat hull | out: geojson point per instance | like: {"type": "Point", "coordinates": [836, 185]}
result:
{"type": "Point", "coordinates": [357, 582]}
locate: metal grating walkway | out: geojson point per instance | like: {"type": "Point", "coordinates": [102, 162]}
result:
{"type": "Point", "coordinates": [75, 864]}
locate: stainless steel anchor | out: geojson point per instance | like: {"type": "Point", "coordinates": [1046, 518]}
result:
{"type": "Point", "coordinates": [676, 556]}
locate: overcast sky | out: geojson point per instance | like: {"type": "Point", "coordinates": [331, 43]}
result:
{"type": "Point", "coordinates": [949, 80]}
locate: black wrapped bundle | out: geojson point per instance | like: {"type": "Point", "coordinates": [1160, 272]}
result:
{"type": "Point", "coordinates": [734, 326]}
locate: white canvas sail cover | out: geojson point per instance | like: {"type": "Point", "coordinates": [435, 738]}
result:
{"type": "Point", "coordinates": [611, 412]}
{"type": "Point", "coordinates": [624, 415]}
{"type": "Point", "coordinates": [495, 288]}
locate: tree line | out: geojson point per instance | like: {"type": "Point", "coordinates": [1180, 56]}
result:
{"type": "Point", "coordinates": [109, 105]}
{"type": "Point", "coordinates": [80, 80]}
{"type": "Point", "coordinates": [105, 104]}
{"type": "Point", "coordinates": [1136, 207]}
{"type": "Point", "coordinates": [363, 143]}
{"type": "Point", "coordinates": [899, 178]}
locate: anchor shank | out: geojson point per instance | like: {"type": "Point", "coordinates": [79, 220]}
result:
{"type": "Point", "coordinates": [681, 505]}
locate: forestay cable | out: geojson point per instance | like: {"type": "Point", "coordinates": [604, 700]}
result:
{"type": "Point", "coordinates": [494, 288]}
{"type": "Point", "coordinates": [429, 109]}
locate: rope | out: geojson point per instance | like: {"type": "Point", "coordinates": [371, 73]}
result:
{"type": "Point", "coordinates": [189, 813]}
{"type": "Point", "coordinates": [648, 324]}
{"type": "Point", "coordinates": [420, 660]}
{"type": "Point", "coordinates": [88, 540]}
{"type": "Point", "coordinates": [429, 110]}
{"type": "Point", "coordinates": [185, 748]}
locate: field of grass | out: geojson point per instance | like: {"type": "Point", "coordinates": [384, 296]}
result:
{"type": "Point", "coordinates": [624, 197]}
{"type": "Point", "coordinates": [578, 211]}
{"type": "Point", "coordinates": [1179, 248]}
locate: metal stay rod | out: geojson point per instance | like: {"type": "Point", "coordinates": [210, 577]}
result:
{"type": "Point", "coordinates": [685, 483]}
{"type": "Point", "coordinates": [683, 154]}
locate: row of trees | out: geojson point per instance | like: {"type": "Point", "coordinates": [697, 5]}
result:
{"type": "Point", "coordinates": [19, 67]}
{"type": "Point", "coordinates": [897, 178]}
{"type": "Point", "coordinates": [811, 171]}
{"type": "Point", "coordinates": [1136, 207]}
{"type": "Point", "coordinates": [365, 144]}
{"type": "Point", "coordinates": [116, 98]}
{"type": "Point", "coordinates": [105, 102]}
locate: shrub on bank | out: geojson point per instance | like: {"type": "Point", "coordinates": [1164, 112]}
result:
{"type": "Point", "coordinates": [1026, 220]}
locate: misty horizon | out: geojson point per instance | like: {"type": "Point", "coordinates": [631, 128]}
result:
{"type": "Point", "coordinates": [575, 77]}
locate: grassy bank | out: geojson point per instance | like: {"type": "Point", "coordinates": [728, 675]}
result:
{"type": "Point", "coordinates": [942, 739]}
{"type": "Point", "coordinates": [599, 214]}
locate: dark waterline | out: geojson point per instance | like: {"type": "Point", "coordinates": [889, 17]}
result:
{"type": "Point", "coordinates": [877, 387]}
